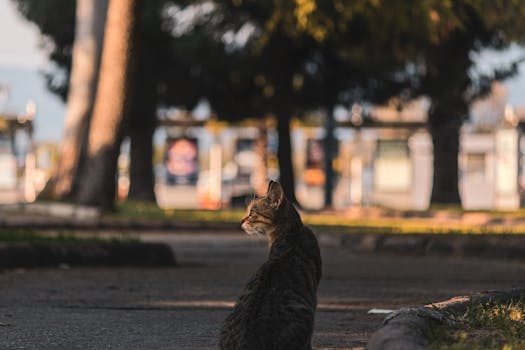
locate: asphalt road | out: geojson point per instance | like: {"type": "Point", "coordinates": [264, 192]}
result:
{"type": "Point", "coordinates": [183, 307]}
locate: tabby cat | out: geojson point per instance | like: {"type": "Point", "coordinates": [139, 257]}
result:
{"type": "Point", "coordinates": [277, 307]}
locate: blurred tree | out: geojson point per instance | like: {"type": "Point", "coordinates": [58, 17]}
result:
{"type": "Point", "coordinates": [89, 31]}
{"type": "Point", "coordinates": [450, 78]}
{"type": "Point", "coordinates": [251, 58]}
{"type": "Point", "coordinates": [307, 55]}
{"type": "Point", "coordinates": [202, 66]}
{"type": "Point", "coordinates": [141, 126]}
{"type": "Point", "coordinates": [428, 46]}
{"type": "Point", "coordinates": [249, 63]}
{"type": "Point", "coordinates": [97, 185]}
{"type": "Point", "coordinates": [152, 44]}
{"type": "Point", "coordinates": [220, 58]}
{"type": "Point", "coordinates": [79, 86]}
{"type": "Point", "coordinates": [447, 82]}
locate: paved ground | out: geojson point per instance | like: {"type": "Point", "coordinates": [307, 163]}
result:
{"type": "Point", "coordinates": [183, 307]}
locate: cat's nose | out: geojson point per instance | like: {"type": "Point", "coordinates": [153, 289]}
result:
{"type": "Point", "coordinates": [245, 227]}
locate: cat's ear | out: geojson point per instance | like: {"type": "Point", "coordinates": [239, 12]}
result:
{"type": "Point", "coordinates": [275, 193]}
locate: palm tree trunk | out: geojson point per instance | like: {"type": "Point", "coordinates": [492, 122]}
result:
{"type": "Point", "coordinates": [111, 105]}
{"type": "Point", "coordinates": [87, 47]}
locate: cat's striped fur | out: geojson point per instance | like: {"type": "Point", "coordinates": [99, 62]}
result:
{"type": "Point", "coordinates": [276, 310]}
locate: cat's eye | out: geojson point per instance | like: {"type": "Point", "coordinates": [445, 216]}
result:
{"type": "Point", "coordinates": [259, 214]}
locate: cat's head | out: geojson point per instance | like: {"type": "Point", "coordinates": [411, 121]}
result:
{"type": "Point", "coordinates": [270, 214]}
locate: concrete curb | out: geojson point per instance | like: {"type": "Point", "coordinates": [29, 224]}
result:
{"type": "Point", "coordinates": [406, 329]}
{"type": "Point", "coordinates": [115, 224]}
{"type": "Point", "coordinates": [61, 216]}
{"type": "Point", "coordinates": [486, 246]}
{"type": "Point", "coordinates": [53, 254]}
{"type": "Point", "coordinates": [74, 217]}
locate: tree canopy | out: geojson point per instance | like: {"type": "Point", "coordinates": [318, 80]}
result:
{"type": "Point", "coordinates": [250, 58]}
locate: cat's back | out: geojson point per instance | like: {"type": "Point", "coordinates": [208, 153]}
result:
{"type": "Point", "coordinates": [277, 307]}
{"type": "Point", "coordinates": [298, 254]}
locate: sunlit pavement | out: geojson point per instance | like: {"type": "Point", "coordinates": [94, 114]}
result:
{"type": "Point", "coordinates": [183, 307]}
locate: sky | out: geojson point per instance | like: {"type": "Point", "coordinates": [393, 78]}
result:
{"type": "Point", "coordinates": [18, 40]}
{"type": "Point", "coordinates": [22, 63]}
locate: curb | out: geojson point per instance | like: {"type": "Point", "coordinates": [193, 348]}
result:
{"type": "Point", "coordinates": [75, 217]}
{"type": "Point", "coordinates": [406, 328]}
{"type": "Point", "coordinates": [62, 216]}
{"type": "Point", "coordinates": [15, 255]}
{"type": "Point", "coordinates": [498, 246]}
{"type": "Point", "coordinates": [114, 224]}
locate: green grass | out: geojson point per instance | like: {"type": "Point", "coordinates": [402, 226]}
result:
{"type": "Point", "coordinates": [487, 325]}
{"type": "Point", "coordinates": [148, 211]}
{"type": "Point", "coordinates": [29, 236]}
{"type": "Point", "coordinates": [329, 222]}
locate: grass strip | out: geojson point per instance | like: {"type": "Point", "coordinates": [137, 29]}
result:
{"type": "Point", "coordinates": [488, 325]}
{"type": "Point", "coordinates": [323, 222]}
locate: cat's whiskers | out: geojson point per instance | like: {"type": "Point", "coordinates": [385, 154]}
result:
{"type": "Point", "coordinates": [253, 230]}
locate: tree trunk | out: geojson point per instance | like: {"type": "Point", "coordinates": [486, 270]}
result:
{"type": "Point", "coordinates": [261, 170]}
{"type": "Point", "coordinates": [329, 145]}
{"type": "Point", "coordinates": [284, 155]}
{"type": "Point", "coordinates": [447, 84]}
{"type": "Point", "coordinates": [87, 47]}
{"type": "Point", "coordinates": [141, 176]}
{"type": "Point", "coordinates": [111, 105]}
{"type": "Point", "coordinates": [143, 120]}
{"type": "Point", "coordinates": [445, 127]}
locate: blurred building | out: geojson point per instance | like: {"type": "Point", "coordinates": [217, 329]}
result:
{"type": "Point", "coordinates": [383, 157]}
{"type": "Point", "coordinates": [17, 159]}
{"type": "Point", "coordinates": [491, 165]}
{"type": "Point", "coordinates": [209, 164]}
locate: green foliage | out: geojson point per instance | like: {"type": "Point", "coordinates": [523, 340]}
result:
{"type": "Point", "coordinates": [251, 58]}
{"type": "Point", "coordinates": [324, 222]}
{"type": "Point", "coordinates": [9, 235]}
{"type": "Point", "coordinates": [148, 211]}
{"type": "Point", "coordinates": [305, 53]}
{"type": "Point", "coordinates": [487, 325]}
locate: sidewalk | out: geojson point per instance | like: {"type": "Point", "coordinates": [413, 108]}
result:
{"type": "Point", "coordinates": [183, 307]}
